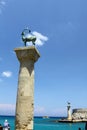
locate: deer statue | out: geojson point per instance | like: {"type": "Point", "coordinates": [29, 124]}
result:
{"type": "Point", "coordinates": [27, 36]}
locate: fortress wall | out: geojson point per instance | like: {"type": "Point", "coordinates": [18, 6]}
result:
{"type": "Point", "coordinates": [79, 113]}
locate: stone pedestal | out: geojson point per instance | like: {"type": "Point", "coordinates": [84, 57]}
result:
{"type": "Point", "coordinates": [27, 56]}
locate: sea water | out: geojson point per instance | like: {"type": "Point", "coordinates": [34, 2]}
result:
{"type": "Point", "coordinates": [45, 124]}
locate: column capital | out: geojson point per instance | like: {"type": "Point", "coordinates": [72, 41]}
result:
{"type": "Point", "coordinates": [27, 53]}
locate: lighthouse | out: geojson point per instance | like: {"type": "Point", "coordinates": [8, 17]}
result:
{"type": "Point", "coordinates": [69, 117]}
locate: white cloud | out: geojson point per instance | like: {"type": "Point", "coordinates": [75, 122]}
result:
{"type": "Point", "coordinates": [40, 39]}
{"type": "Point", "coordinates": [7, 109]}
{"type": "Point", "coordinates": [42, 111]}
{"type": "Point", "coordinates": [59, 112]}
{"type": "Point", "coordinates": [2, 4]}
{"type": "Point", "coordinates": [39, 110]}
{"type": "Point", "coordinates": [40, 36]}
{"type": "Point", "coordinates": [7, 74]}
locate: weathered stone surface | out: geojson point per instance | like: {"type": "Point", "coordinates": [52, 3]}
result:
{"type": "Point", "coordinates": [79, 114]}
{"type": "Point", "coordinates": [27, 56]}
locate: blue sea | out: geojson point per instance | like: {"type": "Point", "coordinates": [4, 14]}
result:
{"type": "Point", "coordinates": [46, 124]}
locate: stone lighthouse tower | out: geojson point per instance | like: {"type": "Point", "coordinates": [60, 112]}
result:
{"type": "Point", "coordinates": [27, 56]}
{"type": "Point", "coordinates": [69, 117]}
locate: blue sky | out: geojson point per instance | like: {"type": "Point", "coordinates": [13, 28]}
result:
{"type": "Point", "coordinates": [61, 71]}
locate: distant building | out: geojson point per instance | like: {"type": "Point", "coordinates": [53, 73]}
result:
{"type": "Point", "coordinates": [76, 114]}
{"type": "Point", "coordinates": [79, 114]}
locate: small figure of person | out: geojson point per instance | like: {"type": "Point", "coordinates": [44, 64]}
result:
{"type": "Point", "coordinates": [86, 126]}
{"type": "Point", "coordinates": [1, 128]}
{"type": "Point", "coordinates": [6, 125]}
{"type": "Point", "coordinates": [79, 128]}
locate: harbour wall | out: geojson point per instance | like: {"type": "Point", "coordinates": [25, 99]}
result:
{"type": "Point", "coordinates": [79, 114]}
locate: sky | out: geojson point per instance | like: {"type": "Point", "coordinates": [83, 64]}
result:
{"type": "Point", "coordinates": [61, 71]}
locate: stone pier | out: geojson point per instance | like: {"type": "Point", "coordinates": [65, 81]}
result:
{"type": "Point", "coordinates": [27, 56]}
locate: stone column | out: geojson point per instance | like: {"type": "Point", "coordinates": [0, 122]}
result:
{"type": "Point", "coordinates": [69, 116]}
{"type": "Point", "coordinates": [27, 56]}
